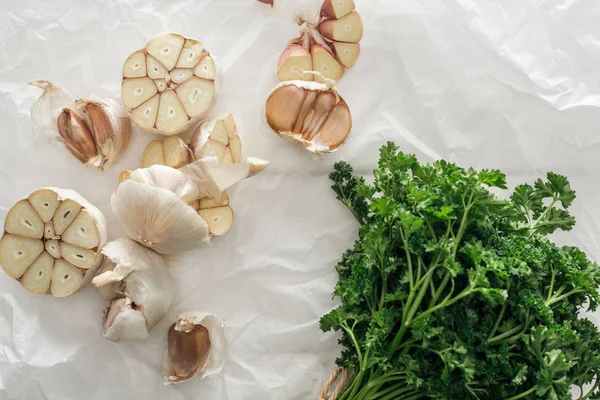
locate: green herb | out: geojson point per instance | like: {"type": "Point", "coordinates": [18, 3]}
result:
{"type": "Point", "coordinates": [452, 293]}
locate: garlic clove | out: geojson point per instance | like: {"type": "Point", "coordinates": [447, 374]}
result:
{"type": "Point", "coordinates": [71, 236]}
{"type": "Point", "coordinates": [76, 136]}
{"type": "Point", "coordinates": [158, 218]}
{"type": "Point", "coordinates": [196, 345]}
{"type": "Point", "coordinates": [346, 53]}
{"type": "Point", "coordinates": [124, 175]}
{"type": "Point", "coordinates": [347, 29]}
{"type": "Point", "coordinates": [156, 70]}
{"type": "Point", "coordinates": [218, 219]}
{"type": "Point", "coordinates": [325, 63]}
{"type": "Point", "coordinates": [212, 148]}
{"type": "Point", "coordinates": [337, 9]}
{"type": "Point", "coordinates": [235, 145]}
{"type": "Point", "coordinates": [283, 107]}
{"type": "Point", "coordinates": [44, 202]}
{"type": "Point", "coordinates": [38, 276]}
{"type": "Point", "coordinates": [217, 137]}
{"type": "Point", "coordinates": [47, 108]}
{"type": "Point", "coordinates": [135, 65]}
{"type": "Point", "coordinates": [153, 154]}
{"type": "Point", "coordinates": [22, 220]}
{"type": "Point", "coordinates": [180, 75]}
{"type": "Point", "coordinates": [176, 152]}
{"type": "Point", "coordinates": [53, 248]}
{"type": "Point", "coordinates": [206, 69]}
{"type": "Point", "coordinates": [145, 114]}
{"type": "Point", "coordinates": [293, 64]}
{"type": "Point", "coordinates": [307, 105]}
{"type": "Point", "coordinates": [336, 130]}
{"type": "Point", "coordinates": [172, 116]}
{"type": "Point", "coordinates": [210, 203]}
{"type": "Point", "coordinates": [136, 283]}
{"type": "Point", "coordinates": [324, 102]}
{"type": "Point", "coordinates": [230, 125]}
{"type": "Point", "coordinates": [196, 95]}
{"type": "Point", "coordinates": [193, 51]}
{"type": "Point", "coordinates": [166, 48]}
{"type": "Point", "coordinates": [135, 91]}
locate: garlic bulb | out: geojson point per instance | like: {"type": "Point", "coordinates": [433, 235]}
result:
{"type": "Point", "coordinates": [158, 218]}
{"type": "Point", "coordinates": [169, 85]}
{"type": "Point", "coordinates": [140, 290]}
{"type": "Point", "coordinates": [196, 345]}
{"type": "Point", "coordinates": [310, 114]}
{"type": "Point", "coordinates": [111, 128]}
{"type": "Point", "coordinates": [329, 45]}
{"type": "Point", "coordinates": [52, 242]}
{"type": "Point", "coordinates": [96, 132]}
{"type": "Point", "coordinates": [218, 137]}
{"type": "Point", "coordinates": [172, 152]}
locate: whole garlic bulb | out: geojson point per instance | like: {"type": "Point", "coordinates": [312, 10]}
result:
{"type": "Point", "coordinates": [140, 290]}
{"type": "Point", "coordinates": [196, 345]}
{"type": "Point", "coordinates": [157, 217]}
{"type": "Point", "coordinates": [96, 132]}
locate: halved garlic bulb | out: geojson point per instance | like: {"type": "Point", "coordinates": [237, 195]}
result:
{"type": "Point", "coordinates": [196, 345]}
{"type": "Point", "coordinates": [310, 114]}
{"type": "Point", "coordinates": [52, 242]}
{"type": "Point", "coordinates": [138, 288]}
{"type": "Point", "coordinates": [218, 137]}
{"type": "Point", "coordinates": [169, 85]}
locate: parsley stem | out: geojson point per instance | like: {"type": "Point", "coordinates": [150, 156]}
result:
{"type": "Point", "coordinates": [506, 334]}
{"type": "Point", "coordinates": [524, 394]}
{"type": "Point", "coordinates": [501, 315]}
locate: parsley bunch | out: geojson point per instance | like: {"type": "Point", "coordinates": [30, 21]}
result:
{"type": "Point", "coordinates": [452, 293]}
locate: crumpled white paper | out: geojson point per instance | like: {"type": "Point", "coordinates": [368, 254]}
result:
{"type": "Point", "coordinates": [511, 85]}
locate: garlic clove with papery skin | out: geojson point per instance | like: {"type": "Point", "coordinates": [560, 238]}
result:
{"type": "Point", "coordinates": [138, 288]}
{"type": "Point", "coordinates": [46, 109]}
{"type": "Point", "coordinates": [196, 346]}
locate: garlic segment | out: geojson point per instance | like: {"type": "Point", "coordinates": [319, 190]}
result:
{"type": "Point", "coordinates": [158, 218]}
{"type": "Point", "coordinates": [138, 287]}
{"type": "Point", "coordinates": [196, 345]}
{"type": "Point", "coordinates": [96, 132]}
{"type": "Point", "coordinates": [329, 45]}
{"type": "Point", "coordinates": [52, 242]}
{"type": "Point", "coordinates": [170, 84]}
{"type": "Point", "coordinates": [218, 137]}
{"type": "Point", "coordinates": [172, 152]}
{"type": "Point", "coordinates": [310, 114]}
{"type": "Point", "coordinates": [110, 126]}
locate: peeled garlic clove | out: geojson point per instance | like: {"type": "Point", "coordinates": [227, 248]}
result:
{"type": "Point", "coordinates": [77, 137]}
{"type": "Point", "coordinates": [138, 287]}
{"type": "Point", "coordinates": [319, 120]}
{"type": "Point", "coordinates": [196, 345]}
{"type": "Point", "coordinates": [52, 242]}
{"type": "Point", "coordinates": [169, 179]}
{"type": "Point", "coordinates": [158, 218]}
{"type": "Point", "coordinates": [217, 137]}
{"type": "Point", "coordinates": [46, 109]}
{"type": "Point", "coordinates": [110, 127]}
{"type": "Point", "coordinates": [218, 219]}
{"type": "Point", "coordinates": [177, 88]}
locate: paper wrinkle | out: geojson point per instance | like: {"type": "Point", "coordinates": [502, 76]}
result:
{"type": "Point", "coordinates": [510, 85]}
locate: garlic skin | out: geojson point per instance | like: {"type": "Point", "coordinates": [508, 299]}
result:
{"type": "Point", "coordinates": [196, 345]}
{"type": "Point", "coordinates": [140, 290]}
{"type": "Point", "coordinates": [51, 242]}
{"type": "Point", "coordinates": [167, 178]}
{"type": "Point", "coordinates": [158, 218]}
{"type": "Point", "coordinates": [213, 179]}
{"type": "Point", "coordinates": [76, 136]}
{"type": "Point", "coordinates": [111, 128]}
{"type": "Point", "coordinates": [45, 110]}
{"type": "Point", "coordinates": [310, 114]}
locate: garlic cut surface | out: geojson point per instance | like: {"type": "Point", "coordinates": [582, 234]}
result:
{"type": "Point", "coordinates": [52, 241]}
{"type": "Point", "coordinates": [169, 85]}
{"type": "Point", "coordinates": [196, 346]}
{"type": "Point", "coordinates": [217, 137]}
{"type": "Point", "coordinates": [137, 286]}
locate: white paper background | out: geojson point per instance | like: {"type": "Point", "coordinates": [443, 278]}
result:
{"type": "Point", "coordinates": [509, 84]}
